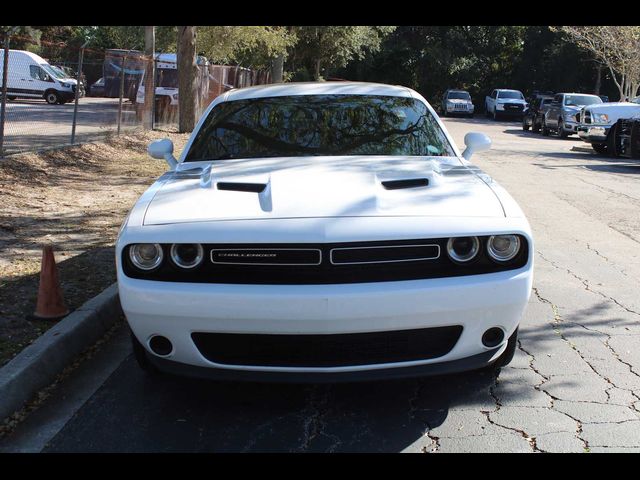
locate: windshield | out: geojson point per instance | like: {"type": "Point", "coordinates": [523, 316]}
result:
{"type": "Point", "coordinates": [581, 100]}
{"type": "Point", "coordinates": [167, 77]}
{"type": "Point", "coordinates": [511, 94]}
{"type": "Point", "coordinates": [458, 96]}
{"type": "Point", "coordinates": [53, 71]}
{"type": "Point", "coordinates": [312, 125]}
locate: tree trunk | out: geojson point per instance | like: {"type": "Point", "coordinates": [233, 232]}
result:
{"type": "Point", "coordinates": [149, 77]}
{"type": "Point", "coordinates": [277, 69]}
{"type": "Point", "coordinates": [187, 75]}
{"type": "Point", "coordinates": [316, 74]}
{"type": "Point", "coordinates": [598, 80]}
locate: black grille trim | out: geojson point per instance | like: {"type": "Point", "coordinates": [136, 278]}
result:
{"type": "Point", "coordinates": [336, 350]}
{"type": "Point", "coordinates": [326, 272]}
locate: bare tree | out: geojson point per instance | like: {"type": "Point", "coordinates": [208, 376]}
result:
{"type": "Point", "coordinates": [187, 75]}
{"type": "Point", "coordinates": [617, 47]}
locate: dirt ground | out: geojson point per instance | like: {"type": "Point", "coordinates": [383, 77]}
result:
{"type": "Point", "coordinates": [74, 199]}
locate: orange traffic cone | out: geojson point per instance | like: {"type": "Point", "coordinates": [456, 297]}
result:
{"type": "Point", "coordinates": [50, 305]}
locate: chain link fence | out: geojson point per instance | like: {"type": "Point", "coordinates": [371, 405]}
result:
{"type": "Point", "coordinates": [58, 95]}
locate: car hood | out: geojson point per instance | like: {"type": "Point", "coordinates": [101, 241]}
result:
{"type": "Point", "coordinates": [604, 107]}
{"type": "Point", "coordinates": [511, 100]}
{"type": "Point", "coordinates": [312, 187]}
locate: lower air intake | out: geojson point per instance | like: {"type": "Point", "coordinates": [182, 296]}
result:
{"type": "Point", "coordinates": [335, 350]}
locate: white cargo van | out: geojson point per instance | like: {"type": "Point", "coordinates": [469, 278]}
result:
{"type": "Point", "coordinates": [30, 76]}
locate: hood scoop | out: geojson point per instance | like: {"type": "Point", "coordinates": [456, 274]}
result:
{"type": "Point", "coordinates": [242, 186]}
{"type": "Point", "coordinates": [405, 183]}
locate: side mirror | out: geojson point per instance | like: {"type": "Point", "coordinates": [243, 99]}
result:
{"type": "Point", "coordinates": [475, 142]}
{"type": "Point", "coordinates": [163, 150]}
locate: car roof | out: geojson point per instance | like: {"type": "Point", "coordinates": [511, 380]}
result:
{"type": "Point", "coordinates": [318, 88]}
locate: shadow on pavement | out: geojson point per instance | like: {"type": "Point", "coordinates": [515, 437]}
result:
{"type": "Point", "coordinates": [133, 412]}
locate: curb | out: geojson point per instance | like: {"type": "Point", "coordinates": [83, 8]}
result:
{"type": "Point", "coordinates": [582, 149]}
{"type": "Point", "coordinates": [38, 365]}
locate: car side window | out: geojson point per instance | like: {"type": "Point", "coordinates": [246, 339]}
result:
{"type": "Point", "coordinates": [38, 73]}
{"type": "Point", "coordinates": [557, 99]}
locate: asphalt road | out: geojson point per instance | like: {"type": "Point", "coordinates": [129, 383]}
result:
{"type": "Point", "coordinates": [36, 125]}
{"type": "Point", "coordinates": [574, 384]}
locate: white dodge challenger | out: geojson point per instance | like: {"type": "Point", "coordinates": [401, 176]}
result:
{"type": "Point", "coordinates": [323, 232]}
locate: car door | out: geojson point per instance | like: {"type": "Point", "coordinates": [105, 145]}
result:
{"type": "Point", "coordinates": [553, 112]}
{"type": "Point", "coordinates": [39, 80]}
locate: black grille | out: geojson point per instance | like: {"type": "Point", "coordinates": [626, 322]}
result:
{"type": "Point", "coordinates": [297, 264]}
{"type": "Point", "coordinates": [514, 107]}
{"type": "Point", "coordinates": [326, 263]}
{"type": "Point", "coordinates": [327, 350]}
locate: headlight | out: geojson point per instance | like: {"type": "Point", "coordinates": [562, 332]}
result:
{"type": "Point", "coordinates": [599, 118]}
{"type": "Point", "coordinates": [187, 255]}
{"type": "Point", "coordinates": [146, 256]}
{"type": "Point", "coordinates": [463, 249]}
{"type": "Point", "coordinates": [500, 106]}
{"type": "Point", "coordinates": [503, 248]}
{"type": "Point", "coordinates": [65, 85]}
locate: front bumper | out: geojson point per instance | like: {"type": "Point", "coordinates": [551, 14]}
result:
{"type": "Point", "coordinates": [593, 134]}
{"type": "Point", "coordinates": [477, 302]}
{"type": "Point", "coordinates": [570, 126]}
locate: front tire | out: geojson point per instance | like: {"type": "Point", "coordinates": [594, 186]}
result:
{"type": "Point", "coordinates": [634, 141]}
{"type": "Point", "coordinates": [545, 130]}
{"type": "Point", "coordinates": [613, 147]}
{"type": "Point", "coordinates": [525, 126]}
{"type": "Point", "coordinates": [506, 357]}
{"type": "Point", "coordinates": [52, 97]}
{"type": "Point", "coordinates": [600, 148]}
{"type": "Point", "coordinates": [561, 131]}
{"type": "Point", "coordinates": [140, 354]}
{"type": "Point", "coordinates": [495, 115]}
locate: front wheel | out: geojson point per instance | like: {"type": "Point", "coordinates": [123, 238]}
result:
{"type": "Point", "coordinates": [506, 357]}
{"type": "Point", "coordinates": [600, 148]}
{"type": "Point", "coordinates": [52, 97]}
{"type": "Point", "coordinates": [561, 131]}
{"type": "Point", "coordinates": [613, 145]}
{"type": "Point", "coordinates": [495, 114]}
{"type": "Point", "coordinates": [140, 354]}
{"type": "Point", "coordinates": [545, 130]}
{"type": "Point", "coordinates": [525, 125]}
{"type": "Point", "coordinates": [634, 147]}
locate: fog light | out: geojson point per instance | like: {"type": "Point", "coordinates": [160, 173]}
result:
{"type": "Point", "coordinates": [492, 337]}
{"type": "Point", "coordinates": [463, 249]}
{"type": "Point", "coordinates": [187, 255]}
{"type": "Point", "coordinates": [160, 345]}
{"type": "Point", "coordinates": [503, 248]}
{"type": "Point", "coordinates": [146, 256]}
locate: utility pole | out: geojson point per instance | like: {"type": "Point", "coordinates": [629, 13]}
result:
{"type": "Point", "coordinates": [149, 78]}
{"type": "Point", "coordinates": [75, 106]}
{"type": "Point", "coordinates": [5, 74]}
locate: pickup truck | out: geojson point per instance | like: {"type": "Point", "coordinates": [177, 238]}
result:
{"type": "Point", "coordinates": [599, 124]}
{"type": "Point", "coordinates": [563, 114]}
{"type": "Point", "coordinates": [503, 102]}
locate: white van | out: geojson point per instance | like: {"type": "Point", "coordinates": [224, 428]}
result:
{"type": "Point", "coordinates": [30, 76]}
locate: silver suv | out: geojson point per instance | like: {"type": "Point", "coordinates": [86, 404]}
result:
{"type": "Point", "coordinates": [457, 102]}
{"type": "Point", "coordinates": [563, 115]}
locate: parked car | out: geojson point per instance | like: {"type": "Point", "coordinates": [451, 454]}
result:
{"type": "Point", "coordinates": [532, 119]}
{"type": "Point", "coordinates": [30, 76]}
{"type": "Point", "coordinates": [598, 124]}
{"type": "Point", "coordinates": [323, 231]}
{"type": "Point", "coordinates": [503, 102]}
{"type": "Point", "coordinates": [97, 89]}
{"type": "Point", "coordinates": [68, 72]}
{"type": "Point", "coordinates": [457, 102]}
{"type": "Point", "coordinates": [627, 138]}
{"type": "Point", "coordinates": [563, 114]}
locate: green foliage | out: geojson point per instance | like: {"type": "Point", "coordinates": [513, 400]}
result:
{"type": "Point", "coordinates": [250, 46]}
{"type": "Point", "coordinates": [431, 59]}
{"type": "Point", "coordinates": [332, 47]}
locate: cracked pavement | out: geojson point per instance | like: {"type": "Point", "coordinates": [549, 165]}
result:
{"type": "Point", "coordinates": [573, 386]}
